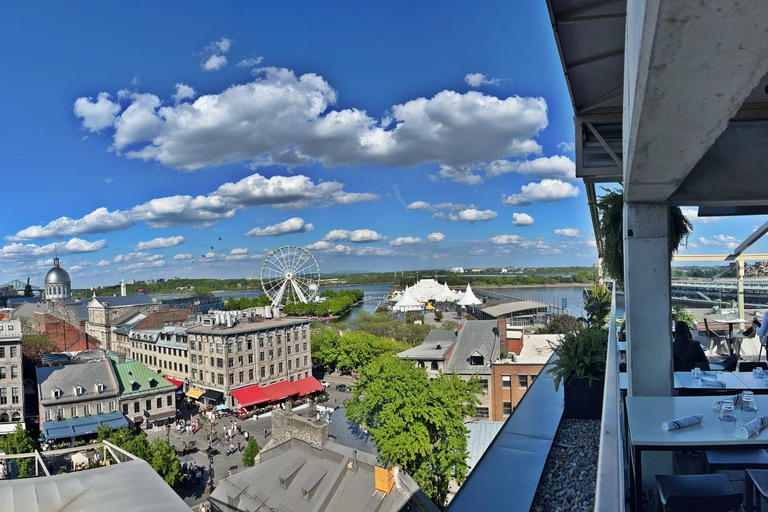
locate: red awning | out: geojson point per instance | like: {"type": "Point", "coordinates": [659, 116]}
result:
{"type": "Point", "coordinates": [255, 395]}
{"type": "Point", "coordinates": [175, 382]}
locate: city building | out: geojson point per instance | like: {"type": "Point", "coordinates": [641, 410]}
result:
{"type": "Point", "coordinates": [107, 313]}
{"type": "Point", "coordinates": [11, 377]}
{"type": "Point", "coordinates": [432, 352]}
{"type": "Point", "coordinates": [145, 395]}
{"type": "Point", "coordinates": [58, 287]}
{"type": "Point", "coordinates": [229, 350]}
{"type": "Point", "coordinates": [164, 349]}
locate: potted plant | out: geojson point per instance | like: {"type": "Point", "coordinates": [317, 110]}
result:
{"type": "Point", "coordinates": [580, 367]}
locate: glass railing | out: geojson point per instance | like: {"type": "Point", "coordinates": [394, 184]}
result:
{"type": "Point", "coordinates": [610, 488]}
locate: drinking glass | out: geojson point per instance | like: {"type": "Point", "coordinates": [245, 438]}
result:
{"type": "Point", "coordinates": [720, 377]}
{"type": "Point", "coordinates": [748, 407]}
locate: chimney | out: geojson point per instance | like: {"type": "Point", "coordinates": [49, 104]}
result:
{"type": "Point", "coordinates": [515, 345]}
{"type": "Point", "coordinates": [501, 325]}
{"type": "Point", "coordinates": [288, 407]}
{"type": "Point", "coordinates": [121, 357]}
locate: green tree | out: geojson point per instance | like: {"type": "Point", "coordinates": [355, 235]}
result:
{"type": "Point", "coordinates": [163, 460]}
{"type": "Point", "coordinates": [561, 325]}
{"type": "Point", "coordinates": [20, 442]}
{"type": "Point", "coordinates": [250, 452]}
{"type": "Point", "coordinates": [33, 344]}
{"type": "Point", "coordinates": [416, 423]}
{"type": "Point", "coordinates": [681, 313]}
{"type": "Point", "coordinates": [438, 316]}
{"type": "Point", "coordinates": [598, 306]}
{"type": "Point", "coordinates": [325, 348]}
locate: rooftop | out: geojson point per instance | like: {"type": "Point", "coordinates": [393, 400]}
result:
{"type": "Point", "coordinates": [434, 347]}
{"type": "Point", "coordinates": [349, 434]}
{"type": "Point", "coordinates": [243, 326]}
{"type": "Point", "coordinates": [136, 379]}
{"type": "Point", "coordinates": [67, 378]}
{"type": "Point", "coordinates": [476, 338]}
{"type": "Point", "coordinates": [537, 348]}
{"type": "Point", "coordinates": [507, 308]}
{"type": "Point", "coordinates": [118, 301]}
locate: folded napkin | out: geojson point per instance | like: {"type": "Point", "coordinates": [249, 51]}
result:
{"type": "Point", "coordinates": [685, 421]}
{"type": "Point", "coordinates": [736, 399]}
{"type": "Point", "coordinates": [709, 381]}
{"type": "Point", "coordinates": [753, 428]}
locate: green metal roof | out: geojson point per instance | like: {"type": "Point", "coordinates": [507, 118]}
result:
{"type": "Point", "coordinates": [136, 379]}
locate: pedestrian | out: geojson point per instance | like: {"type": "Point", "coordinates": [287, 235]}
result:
{"type": "Point", "coordinates": [238, 446]}
{"type": "Point", "coordinates": [231, 448]}
{"type": "Point", "coordinates": [246, 436]}
{"type": "Point", "coordinates": [265, 433]}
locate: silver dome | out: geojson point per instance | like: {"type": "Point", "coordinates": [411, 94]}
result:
{"type": "Point", "coordinates": [57, 275]}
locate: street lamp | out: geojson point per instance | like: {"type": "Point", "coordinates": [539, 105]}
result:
{"type": "Point", "coordinates": [168, 432]}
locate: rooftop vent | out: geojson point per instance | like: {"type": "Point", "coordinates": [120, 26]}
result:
{"type": "Point", "coordinates": [287, 476]}
{"type": "Point", "coordinates": [312, 483]}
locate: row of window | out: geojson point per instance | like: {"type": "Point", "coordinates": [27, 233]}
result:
{"type": "Point", "coordinates": [75, 410]}
{"type": "Point", "coordinates": [168, 365]}
{"type": "Point", "coordinates": [218, 378]}
{"type": "Point", "coordinates": [196, 343]}
{"type": "Point", "coordinates": [151, 347]}
{"type": "Point", "coordinates": [522, 381]}
{"type": "Point", "coordinates": [13, 352]}
{"type": "Point", "coordinates": [4, 372]}
{"type": "Point", "coordinates": [6, 418]}
{"type": "Point", "coordinates": [148, 404]}
{"type": "Point", "coordinates": [4, 396]}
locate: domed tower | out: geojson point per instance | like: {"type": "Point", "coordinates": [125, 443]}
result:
{"type": "Point", "coordinates": [58, 287]}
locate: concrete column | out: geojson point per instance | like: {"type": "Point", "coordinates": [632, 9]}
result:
{"type": "Point", "coordinates": [740, 288]}
{"type": "Point", "coordinates": [647, 299]}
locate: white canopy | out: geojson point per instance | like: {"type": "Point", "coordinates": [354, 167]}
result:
{"type": "Point", "coordinates": [469, 298]}
{"type": "Point", "coordinates": [407, 302]}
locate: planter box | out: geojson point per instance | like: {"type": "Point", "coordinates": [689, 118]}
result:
{"type": "Point", "coordinates": [583, 402]}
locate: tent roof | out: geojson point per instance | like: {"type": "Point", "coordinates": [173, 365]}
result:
{"type": "Point", "coordinates": [469, 298]}
{"type": "Point", "coordinates": [407, 300]}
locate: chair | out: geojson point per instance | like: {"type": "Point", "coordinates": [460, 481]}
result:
{"type": "Point", "coordinates": [745, 366]}
{"type": "Point", "coordinates": [726, 365]}
{"type": "Point", "coordinates": [715, 340]}
{"type": "Point", "coordinates": [757, 479]}
{"type": "Point", "coordinates": [699, 493]}
{"type": "Point", "coordinates": [737, 459]}
{"type": "Point", "coordinates": [763, 344]}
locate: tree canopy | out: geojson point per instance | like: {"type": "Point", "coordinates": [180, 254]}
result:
{"type": "Point", "coordinates": [19, 442]}
{"type": "Point", "coordinates": [34, 344]}
{"type": "Point", "coordinates": [159, 453]}
{"type": "Point", "coordinates": [250, 452]}
{"type": "Point", "coordinates": [415, 422]}
{"type": "Point", "coordinates": [350, 351]}
{"type": "Point", "coordinates": [385, 325]}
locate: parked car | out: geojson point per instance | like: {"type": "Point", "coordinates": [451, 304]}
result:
{"type": "Point", "coordinates": [342, 388]}
{"type": "Point", "coordinates": [324, 383]}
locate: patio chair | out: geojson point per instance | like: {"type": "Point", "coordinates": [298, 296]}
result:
{"type": "Point", "coordinates": [736, 459]}
{"type": "Point", "coordinates": [726, 365]}
{"type": "Point", "coordinates": [757, 479]}
{"type": "Point", "coordinates": [763, 345]}
{"type": "Point", "coordinates": [748, 366]}
{"type": "Point", "coordinates": [716, 341]}
{"type": "Point", "coordinates": [700, 493]}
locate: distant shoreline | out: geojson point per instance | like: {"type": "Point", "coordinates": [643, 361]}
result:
{"type": "Point", "coordinates": [551, 285]}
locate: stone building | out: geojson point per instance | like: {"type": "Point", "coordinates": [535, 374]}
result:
{"type": "Point", "coordinates": [107, 313]}
{"type": "Point", "coordinates": [58, 287]}
{"type": "Point", "coordinates": [145, 395]}
{"type": "Point", "coordinates": [226, 353]}
{"type": "Point", "coordinates": [432, 353]}
{"type": "Point", "coordinates": [11, 378]}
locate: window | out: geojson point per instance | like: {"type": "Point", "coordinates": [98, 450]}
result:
{"type": "Point", "coordinates": [242, 376]}
{"type": "Point", "coordinates": [15, 395]}
{"type": "Point", "coordinates": [298, 362]}
{"type": "Point", "coordinates": [60, 413]}
{"type": "Point", "coordinates": [249, 344]}
{"type": "Point", "coordinates": [149, 405]}
{"type": "Point", "coordinates": [112, 406]}
{"type": "Point", "coordinates": [250, 374]}
{"type": "Point", "coordinates": [305, 347]}
{"type": "Point", "coordinates": [280, 352]}
{"type": "Point", "coordinates": [297, 348]}
{"type": "Point", "coordinates": [289, 349]}
{"type": "Point", "coordinates": [250, 358]}
{"type": "Point", "coordinates": [73, 412]}
{"type": "Point", "coordinates": [160, 402]}
{"type": "Point", "coordinates": [192, 345]}
{"type": "Point", "coordinates": [2, 372]}
{"type": "Point", "coordinates": [125, 409]}
{"type": "Point", "coordinates": [263, 372]}
{"type": "Point", "coordinates": [271, 370]}
{"type": "Point", "coordinates": [169, 401]}
{"type": "Point", "coordinates": [507, 408]}
{"type": "Point", "coordinates": [240, 345]}
{"type": "Point", "coordinates": [79, 390]}
{"type": "Point", "coordinates": [435, 365]}
{"type": "Point", "coordinates": [280, 367]}
{"type": "Point", "coordinates": [506, 381]}
{"type": "Point", "coordinates": [240, 360]}
{"type": "Point", "coordinates": [2, 352]}
{"type": "Point", "coordinates": [47, 415]}
{"type": "Point", "coordinates": [305, 360]}
{"type": "Point", "coordinates": [482, 412]}
{"type": "Point", "coordinates": [86, 410]}
{"type": "Point", "coordinates": [13, 352]}
{"type": "Point", "coordinates": [99, 408]}
{"type": "Point", "coordinates": [476, 360]}
{"type": "Point", "coordinates": [522, 381]}
{"type": "Point", "coordinates": [136, 407]}
{"type": "Point", "coordinates": [221, 379]}
{"type": "Point", "coordinates": [231, 378]}
{"type": "Point", "coordinates": [271, 354]}
{"type": "Point", "coordinates": [289, 364]}
{"type": "Point", "coordinates": [100, 388]}
{"type": "Point", "coordinates": [484, 384]}
{"type": "Point", "coordinates": [194, 359]}
{"type": "Point", "coordinates": [220, 362]}
{"type": "Point", "coordinates": [14, 371]}
{"type": "Point", "coordinates": [261, 356]}
{"type": "Point", "coordinates": [231, 362]}
{"type": "Point", "coordinates": [261, 342]}
{"type": "Point", "coordinates": [194, 373]}
{"type": "Point", "coordinates": [533, 378]}
{"type": "Point", "coordinates": [3, 396]}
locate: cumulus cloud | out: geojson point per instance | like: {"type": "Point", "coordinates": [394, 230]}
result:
{"type": "Point", "coordinates": [214, 62]}
{"type": "Point", "coordinates": [160, 243]}
{"type": "Point", "coordinates": [287, 227]}
{"type": "Point", "coordinates": [249, 63]}
{"type": "Point", "coordinates": [435, 237]}
{"type": "Point", "coordinates": [545, 191]}
{"type": "Point", "coordinates": [472, 214]}
{"type": "Point", "coordinates": [139, 121]}
{"type": "Point", "coordinates": [183, 92]}
{"type": "Point", "coordinates": [568, 232]}
{"type": "Point", "coordinates": [405, 240]}
{"type": "Point", "coordinates": [522, 219]}
{"type": "Point", "coordinates": [283, 119]}
{"type": "Point", "coordinates": [97, 115]}
{"type": "Point", "coordinates": [692, 214]}
{"type": "Point", "coordinates": [558, 166]}
{"type": "Point", "coordinates": [184, 256]}
{"type": "Point", "coordinates": [424, 205]}
{"type": "Point", "coordinates": [213, 58]}
{"type": "Point", "coordinates": [728, 241]}
{"type": "Point", "coordinates": [239, 250]}
{"type": "Point", "coordinates": [283, 192]}
{"type": "Point", "coordinates": [18, 251]}
{"type": "Point", "coordinates": [506, 239]}
{"type": "Point", "coordinates": [356, 236]}
{"type": "Point", "coordinates": [479, 79]}
{"type": "Point", "coordinates": [566, 147]}
{"type": "Point", "coordinates": [319, 246]}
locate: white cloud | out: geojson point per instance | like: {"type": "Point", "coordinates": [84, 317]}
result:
{"type": "Point", "coordinates": [479, 79]}
{"type": "Point", "coordinates": [214, 63]}
{"type": "Point", "coordinates": [475, 252]}
{"type": "Point", "coordinates": [728, 241]}
{"type": "Point", "coordinates": [183, 92]}
{"type": "Point", "coordinates": [424, 205]}
{"type": "Point", "coordinates": [139, 121]}
{"type": "Point", "coordinates": [97, 115]}
{"type": "Point", "coordinates": [405, 240]}
{"type": "Point", "coordinates": [160, 243]}
{"type": "Point", "coordinates": [566, 147]}
{"type": "Point", "coordinates": [435, 237]}
{"type": "Point", "coordinates": [356, 236]}
{"type": "Point", "coordinates": [284, 192]}
{"type": "Point", "coordinates": [522, 219]}
{"type": "Point", "coordinates": [692, 214]}
{"type": "Point", "coordinates": [287, 227]}
{"type": "Point", "coordinates": [374, 251]}
{"type": "Point", "coordinates": [223, 45]}
{"type": "Point", "coordinates": [184, 256]}
{"type": "Point", "coordinates": [18, 251]}
{"type": "Point", "coordinates": [249, 63]}
{"type": "Point", "coordinates": [704, 241]}
{"type": "Point", "coordinates": [557, 166]}
{"type": "Point", "coordinates": [506, 239]}
{"type": "Point", "coordinates": [338, 249]}
{"type": "Point", "coordinates": [284, 119]}
{"type": "Point", "coordinates": [545, 191]}
{"type": "Point", "coordinates": [471, 215]}
{"type": "Point", "coordinates": [568, 232]}
{"type": "Point", "coordinates": [238, 251]}
{"type": "Point", "coordinates": [319, 246]}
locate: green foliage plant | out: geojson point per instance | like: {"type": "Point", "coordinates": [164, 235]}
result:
{"type": "Point", "coordinates": [19, 442]}
{"type": "Point", "coordinates": [681, 313]}
{"type": "Point", "coordinates": [598, 306]}
{"type": "Point", "coordinates": [580, 355]}
{"type": "Point", "coordinates": [250, 452]}
{"type": "Point", "coordinates": [561, 325]}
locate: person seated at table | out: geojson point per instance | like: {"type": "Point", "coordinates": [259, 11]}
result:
{"type": "Point", "coordinates": [761, 328]}
{"type": "Point", "coordinates": [687, 352]}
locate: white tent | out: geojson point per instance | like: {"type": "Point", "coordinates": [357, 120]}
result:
{"type": "Point", "coordinates": [407, 302]}
{"type": "Point", "coordinates": [469, 298]}
{"type": "Point", "coordinates": [445, 294]}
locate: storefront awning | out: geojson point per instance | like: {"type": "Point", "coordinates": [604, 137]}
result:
{"type": "Point", "coordinates": [173, 381]}
{"type": "Point", "coordinates": [255, 395]}
{"type": "Point", "coordinates": [161, 416]}
{"type": "Point", "coordinates": [82, 426]}
{"type": "Point", "coordinates": [212, 395]}
{"type": "Point", "coordinates": [194, 393]}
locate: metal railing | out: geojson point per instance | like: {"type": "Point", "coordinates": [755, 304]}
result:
{"type": "Point", "coordinates": [610, 488]}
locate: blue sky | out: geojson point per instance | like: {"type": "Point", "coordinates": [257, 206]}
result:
{"type": "Point", "coordinates": [383, 136]}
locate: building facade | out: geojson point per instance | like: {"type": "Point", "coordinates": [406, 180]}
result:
{"type": "Point", "coordinates": [11, 378]}
{"type": "Point", "coordinates": [227, 353]}
{"type": "Point", "coordinates": [165, 350]}
{"type": "Point", "coordinates": [145, 396]}
{"type": "Point", "coordinates": [107, 313]}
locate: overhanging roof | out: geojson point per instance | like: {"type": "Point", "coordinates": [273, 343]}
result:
{"type": "Point", "coordinates": [513, 307]}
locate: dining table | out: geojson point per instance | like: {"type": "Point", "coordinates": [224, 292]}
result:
{"type": "Point", "coordinates": [731, 322]}
{"type": "Point", "coordinates": [645, 415]}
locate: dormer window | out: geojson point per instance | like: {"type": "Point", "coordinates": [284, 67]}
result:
{"type": "Point", "coordinates": [100, 388]}
{"type": "Point", "coordinates": [57, 393]}
{"type": "Point", "coordinates": [79, 390]}
{"type": "Point", "coordinates": [476, 360]}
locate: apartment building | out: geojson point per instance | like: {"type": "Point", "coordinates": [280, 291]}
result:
{"type": "Point", "coordinates": [228, 351]}
{"type": "Point", "coordinates": [11, 384]}
{"type": "Point", "coordinates": [145, 395]}
{"type": "Point", "coordinates": [105, 314]}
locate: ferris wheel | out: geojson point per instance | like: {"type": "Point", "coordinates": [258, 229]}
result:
{"type": "Point", "coordinates": [290, 273]}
